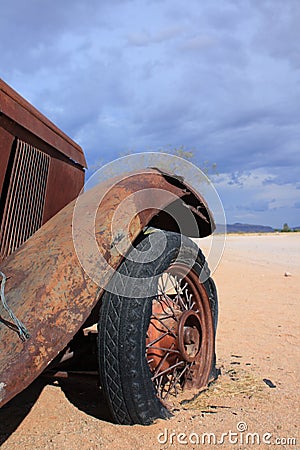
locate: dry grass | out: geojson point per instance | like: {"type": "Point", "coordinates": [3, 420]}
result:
{"type": "Point", "coordinates": [235, 382]}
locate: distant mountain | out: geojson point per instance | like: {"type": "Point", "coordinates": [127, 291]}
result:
{"type": "Point", "coordinates": [245, 228]}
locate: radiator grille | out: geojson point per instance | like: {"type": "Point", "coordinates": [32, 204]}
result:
{"type": "Point", "coordinates": [24, 206]}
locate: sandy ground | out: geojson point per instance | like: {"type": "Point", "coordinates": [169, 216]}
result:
{"type": "Point", "coordinates": [253, 404]}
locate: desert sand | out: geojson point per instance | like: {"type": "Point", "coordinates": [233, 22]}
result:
{"type": "Point", "coordinates": [253, 404]}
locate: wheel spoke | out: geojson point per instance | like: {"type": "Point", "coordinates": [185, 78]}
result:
{"type": "Point", "coordinates": [169, 299]}
{"type": "Point", "coordinates": [188, 298]}
{"type": "Point", "coordinates": [164, 304]}
{"type": "Point", "coordinates": [163, 287]}
{"type": "Point", "coordinates": [183, 304]}
{"type": "Point", "coordinates": [161, 336]}
{"type": "Point", "coordinates": [168, 369]}
{"type": "Point", "coordinates": [179, 291]}
{"type": "Point", "coordinates": [165, 325]}
{"type": "Point", "coordinates": [176, 380]}
{"type": "Point", "coordinates": [171, 383]}
{"type": "Point", "coordinates": [156, 373]}
{"type": "Point", "coordinates": [170, 350]}
{"type": "Point", "coordinates": [159, 384]}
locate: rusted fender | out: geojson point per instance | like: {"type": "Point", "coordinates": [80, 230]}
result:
{"type": "Point", "coordinates": [48, 289]}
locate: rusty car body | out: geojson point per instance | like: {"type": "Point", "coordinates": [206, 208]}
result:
{"type": "Point", "coordinates": [46, 287]}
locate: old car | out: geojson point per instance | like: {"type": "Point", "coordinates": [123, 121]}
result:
{"type": "Point", "coordinates": [134, 284]}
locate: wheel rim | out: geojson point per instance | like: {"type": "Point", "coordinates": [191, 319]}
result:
{"type": "Point", "coordinates": [180, 336]}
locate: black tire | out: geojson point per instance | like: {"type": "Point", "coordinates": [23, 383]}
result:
{"type": "Point", "coordinates": [125, 374]}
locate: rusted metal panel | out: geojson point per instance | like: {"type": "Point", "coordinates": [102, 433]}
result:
{"type": "Point", "coordinates": [64, 184]}
{"type": "Point", "coordinates": [6, 140]}
{"type": "Point", "coordinates": [48, 289]}
{"type": "Point", "coordinates": [22, 112]}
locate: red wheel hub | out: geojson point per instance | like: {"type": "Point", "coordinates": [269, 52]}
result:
{"type": "Point", "coordinates": [189, 335]}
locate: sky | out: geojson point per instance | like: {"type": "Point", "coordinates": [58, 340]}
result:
{"type": "Point", "coordinates": [220, 78]}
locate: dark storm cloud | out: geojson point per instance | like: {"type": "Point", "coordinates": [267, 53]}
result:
{"type": "Point", "coordinates": [278, 30]}
{"type": "Point", "coordinates": [220, 78]}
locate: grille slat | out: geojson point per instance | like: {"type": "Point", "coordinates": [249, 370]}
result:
{"type": "Point", "coordinates": [19, 198]}
{"type": "Point", "coordinates": [23, 212]}
{"type": "Point", "coordinates": [10, 206]}
{"type": "Point", "coordinates": [28, 208]}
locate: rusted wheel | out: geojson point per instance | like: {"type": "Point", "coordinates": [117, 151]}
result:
{"type": "Point", "coordinates": [180, 337]}
{"type": "Point", "coordinates": [159, 338]}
